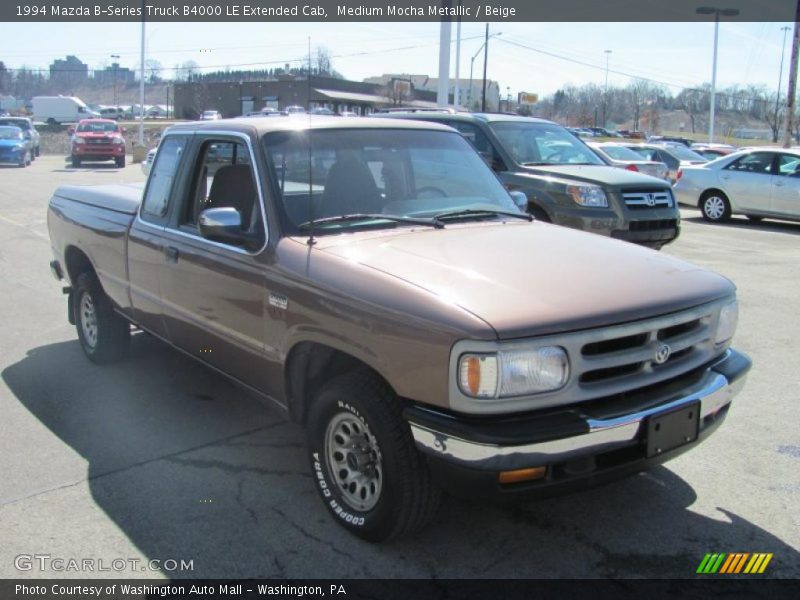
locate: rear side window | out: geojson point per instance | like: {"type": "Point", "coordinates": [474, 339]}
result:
{"type": "Point", "coordinates": [162, 175]}
{"type": "Point", "coordinates": [758, 162]}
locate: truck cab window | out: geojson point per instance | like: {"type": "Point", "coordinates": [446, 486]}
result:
{"type": "Point", "coordinates": [224, 177]}
{"type": "Point", "coordinates": [156, 200]}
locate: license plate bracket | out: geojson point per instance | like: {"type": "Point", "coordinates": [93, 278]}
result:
{"type": "Point", "coordinates": [672, 429]}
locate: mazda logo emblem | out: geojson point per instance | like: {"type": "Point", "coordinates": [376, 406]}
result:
{"type": "Point", "coordinates": [662, 354]}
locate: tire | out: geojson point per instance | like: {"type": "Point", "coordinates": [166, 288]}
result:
{"type": "Point", "coordinates": [38, 150]}
{"type": "Point", "coordinates": [76, 162]}
{"type": "Point", "coordinates": [390, 492]}
{"type": "Point", "coordinates": [120, 161]}
{"type": "Point", "coordinates": [103, 334]}
{"type": "Point", "coordinates": [715, 207]}
{"type": "Point", "coordinates": [24, 161]}
{"type": "Point", "coordinates": [755, 218]}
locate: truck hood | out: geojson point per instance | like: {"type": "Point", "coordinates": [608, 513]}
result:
{"type": "Point", "coordinates": [526, 279]}
{"type": "Point", "coordinates": [602, 174]}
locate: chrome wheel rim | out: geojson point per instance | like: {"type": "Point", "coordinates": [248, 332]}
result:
{"type": "Point", "coordinates": [354, 461]}
{"type": "Point", "coordinates": [88, 320]}
{"type": "Point", "coordinates": [714, 207]}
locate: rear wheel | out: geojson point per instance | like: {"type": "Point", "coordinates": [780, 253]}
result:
{"type": "Point", "coordinates": [103, 334]}
{"type": "Point", "coordinates": [366, 467]}
{"type": "Point", "coordinates": [715, 207]}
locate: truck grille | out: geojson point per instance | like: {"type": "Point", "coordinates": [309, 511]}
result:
{"type": "Point", "coordinates": [648, 199]}
{"type": "Point", "coordinates": [97, 141]}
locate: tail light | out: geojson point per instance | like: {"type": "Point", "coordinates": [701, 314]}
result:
{"type": "Point", "coordinates": [631, 168]}
{"type": "Point", "coordinates": [678, 175]}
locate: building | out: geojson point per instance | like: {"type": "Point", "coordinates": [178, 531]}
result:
{"type": "Point", "coordinates": [115, 75]}
{"type": "Point", "coordinates": [69, 71]}
{"type": "Point", "coordinates": [234, 98]}
{"type": "Point", "coordinates": [470, 92]}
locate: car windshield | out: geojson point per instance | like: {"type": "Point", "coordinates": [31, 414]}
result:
{"type": "Point", "coordinates": [10, 133]}
{"type": "Point", "coordinates": [620, 152]}
{"type": "Point", "coordinates": [403, 174]}
{"type": "Point", "coordinates": [98, 127]}
{"type": "Point", "coordinates": [543, 144]}
{"type": "Point", "coordinates": [21, 123]}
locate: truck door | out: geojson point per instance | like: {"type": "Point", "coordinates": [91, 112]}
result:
{"type": "Point", "coordinates": [213, 292]}
{"type": "Point", "coordinates": [146, 238]}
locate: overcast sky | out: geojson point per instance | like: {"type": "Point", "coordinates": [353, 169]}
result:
{"type": "Point", "coordinates": [531, 57]}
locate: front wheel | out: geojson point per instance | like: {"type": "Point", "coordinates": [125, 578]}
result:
{"type": "Point", "coordinates": [103, 334]}
{"type": "Point", "coordinates": [76, 162]}
{"type": "Point", "coordinates": [120, 160]}
{"type": "Point", "coordinates": [715, 207]}
{"type": "Point", "coordinates": [365, 465]}
{"type": "Point", "coordinates": [24, 161]}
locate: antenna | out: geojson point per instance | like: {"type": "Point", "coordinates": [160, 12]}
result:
{"type": "Point", "coordinates": [311, 240]}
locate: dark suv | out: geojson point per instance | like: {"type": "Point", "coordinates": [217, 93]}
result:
{"type": "Point", "coordinates": [565, 181]}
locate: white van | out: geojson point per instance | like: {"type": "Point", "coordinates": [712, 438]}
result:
{"type": "Point", "coordinates": [60, 109]}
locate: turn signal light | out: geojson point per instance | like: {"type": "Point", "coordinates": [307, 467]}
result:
{"type": "Point", "coordinates": [678, 175]}
{"type": "Point", "coordinates": [631, 168]}
{"type": "Point", "coordinates": [520, 475]}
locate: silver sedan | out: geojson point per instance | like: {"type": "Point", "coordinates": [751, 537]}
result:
{"type": "Point", "coordinates": [758, 183]}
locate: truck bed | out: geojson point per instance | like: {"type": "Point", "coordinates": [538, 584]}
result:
{"type": "Point", "coordinates": [119, 197]}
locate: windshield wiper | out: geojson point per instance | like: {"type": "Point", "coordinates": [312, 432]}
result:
{"type": "Point", "coordinates": [434, 222]}
{"type": "Point", "coordinates": [478, 212]}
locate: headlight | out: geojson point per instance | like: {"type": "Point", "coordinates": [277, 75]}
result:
{"type": "Point", "coordinates": [728, 318]}
{"type": "Point", "coordinates": [588, 195]}
{"type": "Point", "coordinates": [78, 140]}
{"type": "Point", "coordinates": [513, 372]}
{"type": "Point", "coordinates": [117, 140]}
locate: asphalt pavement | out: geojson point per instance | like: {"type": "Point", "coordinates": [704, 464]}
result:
{"type": "Point", "coordinates": [158, 458]}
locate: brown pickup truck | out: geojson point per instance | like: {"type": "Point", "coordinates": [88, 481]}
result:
{"type": "Point", "coordinates": [374, 280]}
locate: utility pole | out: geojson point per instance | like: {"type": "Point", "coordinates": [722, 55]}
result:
{"type": "Point", "coordinates": [485, 62]}
{"type": "Point", "coordinates": [141, 85]}
{"type": "Point", "coordinates": [787, 134]}
{"type": "Point", "coordinates": [605, 94]}
{"type": "Point", "coordinates": [457, 88]}
{"type": "Point", "coordinates": [780, 78]}
{"type": "Point", "coordinates": [443, 89]}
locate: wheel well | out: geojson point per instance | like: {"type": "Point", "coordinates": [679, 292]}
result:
{"type": "Point", "coordinates": [76, 263]}
{"type": "Point", "coordinates": [708, 192]}
{"type": "Point", "coordinates": [308, 366]}
{"type": "Point", "coordinates": [539, 213]}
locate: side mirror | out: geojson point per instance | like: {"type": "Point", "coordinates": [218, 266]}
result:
{"type": "Point", "coordinates": [222, 225]}
{"type": "Point", "coordinates": [70, 130]}
{"type": "Point", "coordinates": [520, 200]}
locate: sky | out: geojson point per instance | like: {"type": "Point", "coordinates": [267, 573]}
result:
{"type": "Point", "coordinates": [530, 57]}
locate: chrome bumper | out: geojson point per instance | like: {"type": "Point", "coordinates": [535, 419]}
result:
{"type": "Point", "coordinates": [714, 392]}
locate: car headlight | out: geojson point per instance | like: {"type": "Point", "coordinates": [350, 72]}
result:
{"type": "Point", "coordinates": [78, 140]}
{"type": "Point", "coordinates": [591, 196]}
{"type": "Point", "coordinates": [513, 372]}
{"type": "Point", "coordinates": [117, 140]}
{"type": "Point", "coordinates": [726, 326]}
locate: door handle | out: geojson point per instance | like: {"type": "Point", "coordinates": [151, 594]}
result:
{"type": "Point", "coordinates": [725, 177]}
{"type": "Point", "coordinates": [171, 253]}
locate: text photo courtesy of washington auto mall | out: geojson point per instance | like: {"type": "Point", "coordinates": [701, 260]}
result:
{"type": "Point", "coordinates": [399, 299]}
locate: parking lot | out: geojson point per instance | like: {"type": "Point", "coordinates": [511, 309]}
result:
{"type": "Point", "coordinates": [158, 458]}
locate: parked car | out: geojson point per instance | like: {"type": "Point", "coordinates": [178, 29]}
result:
{"type": "Point", "coordinates": [210, 115]}
{"type": "Point", "coordinates": [97, 140]}
{"type": "Point", "coordinates": [713, 151]}
{"type": "Point", "coordinates": [658, 139]}
{"type": "Point", "coordinates": [15, 148]}
{"type": "Point", "coordinates": [758, 183]}
{"type": "Point", "coordinates": [624, 158]}
{"type": "Point", "coordinates": [321, 110]}
{"type": "Point", "coordinates": [565, 181]}
{"type": "Point", "coordinates": [147, 163]}
{"type": "Point", "coordinates": [111, 112]}
{"type": "Point", "coordinates": [294, 110]}
{"type": "Point", "coordinates": [28, 130]}
{"type": "Point", "coordinates": [673, 155]}
{"type": "Point", "coordinates": [375, 282]}
{"type": "Point", "coordinates": [348, 113]}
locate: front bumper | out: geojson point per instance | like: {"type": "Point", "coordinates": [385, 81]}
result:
{"type": "Point", "coordinates": [98, 151]}
{"type": "Point", "coordinates": [583, 444]}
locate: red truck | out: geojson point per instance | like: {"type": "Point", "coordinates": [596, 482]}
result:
{"type": "Point", "coordinates": [98, 139]}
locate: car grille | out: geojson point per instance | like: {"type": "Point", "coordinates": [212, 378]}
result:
{"type": "Point", "coordinates": [648, 199]}
{"type": "Point", "coordinates": [98, 141]}
{"type": "Point", "coordinates": [654, 225]}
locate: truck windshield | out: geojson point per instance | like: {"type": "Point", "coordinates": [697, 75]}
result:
{"type": "Point", "coordinates": [403, 174]}
{"type": "Point", "coordinates": [10, 133]}
{"type": "Point", "coordinates": [98, 127]}
{"type": "Point", "coordinates": [543, 144]}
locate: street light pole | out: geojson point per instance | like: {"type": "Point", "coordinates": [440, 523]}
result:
{"type": "Point", "coordinates": [472, 64]}
{"type": "Point", "coordinates": [725, 12]}
{"type": "Point", "coordinates": [605, 95]}
{"type": "Point", "coordinates": [485, 63]}
{"type": "Point", "coordinates": [116, 66]}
